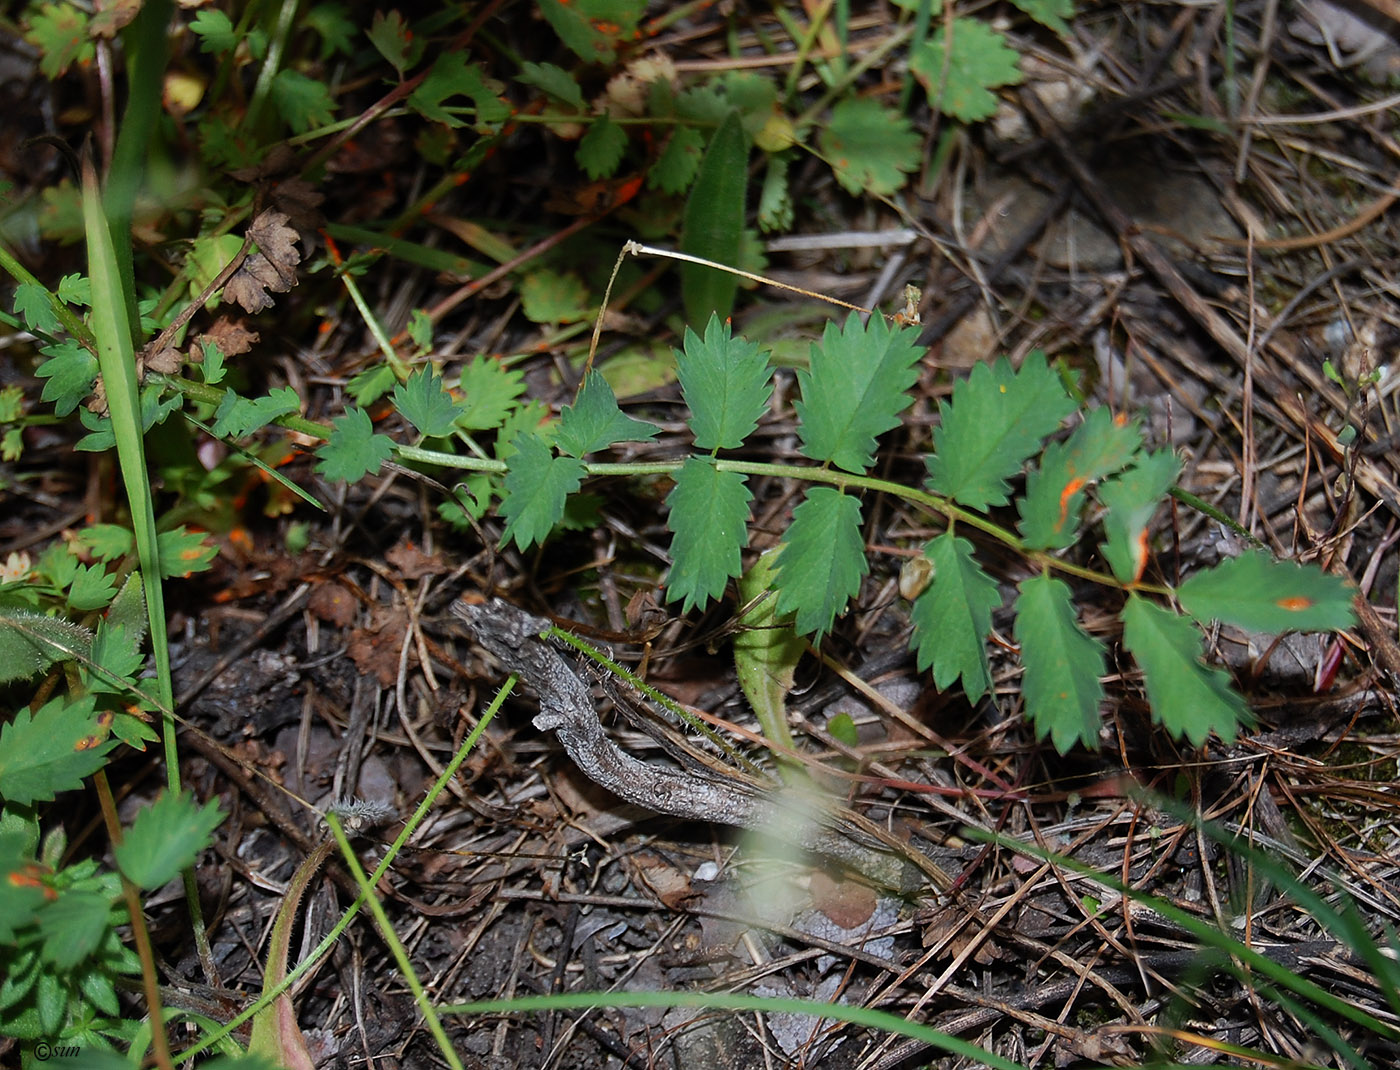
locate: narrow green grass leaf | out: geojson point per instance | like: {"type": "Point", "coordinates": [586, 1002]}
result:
{"type": "Point", "coordinates": [594, 422]}
{"type": "Point", "coordinates": [995, 421]}
{"type": "Point", "coordinates": [425, 404]}
{"type": "Point", "coordinates": [165, 838]}
{"type": "Point", "coordinates": [714, 223]}
{"type": "Point", "coordinates": [766, 651]}
{"type": "Point", "coordinates": [1131, 500]}
{"type": "Point", "coordinates": [1100, 446]}
{"type": "Point", "coordinates": [822, 560]}
{"type": "Point", "coordinates": [726, 382]}
{"type": "Point", "coordinates": [1257, 592]}
{"type": "Point", "coordinates": [1062, 665]}
{"type": "Point", "coordinates": [709, 513]}
{"type": "Point", "coordinates": [50, 751]}
{"type": "Point", "coordinates": [953, 617]}
{"type": "Point", "coordinates": [854, 390]}
{"type": "Point", "coordinates": [1189, 698]}
{"type": "Point", "coordinates": [537, 487]}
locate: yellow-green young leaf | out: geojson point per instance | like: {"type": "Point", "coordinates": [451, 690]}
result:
{"type": "Point", "coordinates": [184, 552]}
{"type": "Point", "coordinates": [51, 750]}
{"type": "Point", "coordinates": [165, 838]}
{"type": "Point", "coordinates": [726, 382]}
{"type": "Point", "coordinates": [1130, 500]}
{"type": "Point", "coordinates": [822, 560]}
{"type": "Point", "coordinates": [714, 223]}
{"type": "Point", "coordinates": [1257, 592]}
{"type": "Point", "coordinates": [871, 148]}
{"type": "Point", "coordinates": [953, 616]}
{"type": "Point", "coordinates": [854, 390]}
{"type": "Point", "coordinates": [709, 513]}
{"type": "Point", "coordinates": [1188, 698]}
{"type": "Point", "coordinates": [553, 297]}
{"type": "Point", "coordinates": [1100, 446]}
{"type": "Point", "coordinates": [766, 650]}
{"type": "Point", "coordinates": [537, 487]}
{"type": "Point", "coordinates": [1062, 665]}
{"type": "Point", "coordinates": [996, 419]}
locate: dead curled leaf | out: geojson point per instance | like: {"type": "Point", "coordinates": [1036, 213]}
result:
{"type": "Point", "coordinates": [272, 268]}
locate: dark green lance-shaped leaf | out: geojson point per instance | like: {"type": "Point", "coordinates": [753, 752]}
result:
{"type": "Point", "coordinates": [709, 513]}
{"type": "Point", "coordinates": [1131, 499]}
{"type": "Point", "coordinates": [1188, 698]}
{"type": "Point", "coordinates": [726, 381]}
{"type": "Point", "coordinates": [1100, 446]}
{"type": "Point", "coordinates": [426, 405]}
{"type": "Point", "coordinates": [30, 642]}
{"type": "Point", "coordinates": [822, 560]}
{"type": "Point", "coordinates": [1257, 592]}
{"type": "Point", "coordinates": [855, 389]}
{"type": "Point", "coordinates": [50, 751]}
{"type": "Point", "coordinates": [537, 486]}
{"type": "Point", "coordinates": [73, 925]}
{"type": "Point", "coordinates": [870, 147]}
{"type": "Point", "coordinates": [766, 650]}
{"type": "Point", "coordinates": [1062, 665]}
{"type": "Point", "coordinates": [353, 449]}
{"type": "Point", "coordinates": [953, 616]}
{"type": "Point", "coordinates": [995, 421]}
{"type": "Point", "coordinates": [594, 422]}
{"type": "Point", "coordinates": [714, 223]}
{"type": "Point", "coordinates": [128, 609]}
{"type": "Point", "coordinates": [165, 838]}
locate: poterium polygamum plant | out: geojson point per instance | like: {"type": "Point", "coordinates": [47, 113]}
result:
{"type": "Point", "coordinates": [994, 426]}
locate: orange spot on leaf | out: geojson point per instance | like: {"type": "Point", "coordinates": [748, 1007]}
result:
{"type": "Point", "coordinates": [1073, 487]}
{"type": "Point", "coordinates": [1294, 603]}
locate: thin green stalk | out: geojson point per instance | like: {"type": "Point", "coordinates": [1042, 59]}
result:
{"type": "Point", "coordinates": [409, 828]}
{"type": "Point", "coordinates": [396, 948]}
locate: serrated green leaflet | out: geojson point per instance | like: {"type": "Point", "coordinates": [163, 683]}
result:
{"type": "Point", "coordinates": [726, 381]}
{"type": "Point", "coordinates": [953, 616]}
{"type": "Point", "coordinates": [1100, 446]}
{"type": "Point", "coordinates": [995, 421]}
{"type": "Point", "coordinates": [871, 148]}
{"type": "Point", "coordinates": [822, 560]}
{"type": "Point", "coordinates": [165, 838]}
{"type": "Point", "coordinates": [714, 223]}
{"type": "Point", "coordinates": [1188, 698]}
{"type": "Point", "coordinates": [51, 750]}
{"type": "Point", "coordinates": [1257, 592]}
{"type": "Point", "coordinates": [854, 390]}
{"type": "Point", "coordinates": [1130, 500]}
{"type": "Point", "coordinates": [426, 405]}
{"type": "Point", "coordinates": [537, 486]}
{"type": "Point", "coordinates": [1062, 665]}
{"type": "Point", "coordinates": [709, 513]}
{"type": "Point", "coordinates": [353, 449]}
{"type": "Point", "coordinates": [594, 422]}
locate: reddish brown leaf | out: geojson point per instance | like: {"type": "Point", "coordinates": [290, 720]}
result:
{"type": "Point", "coordinates": [334, 603]}
{"type": "Point", "coordinates": [230, 336]}
{"type": "Point", "coordinates": [413, 563]}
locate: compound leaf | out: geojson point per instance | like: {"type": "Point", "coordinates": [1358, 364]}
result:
{"type": "Point", "coordinates": [870, 148]}
{"type": "Point", "coordinates": [855, 389]}
{"type": "Point", "coordinates": [709, 512]}
{"type": "Point", "coordinates": [726, 381]}
{"type": "Point", "coordinates": [594, 422]}
{"type": "Point", "coordinates": [1131, 499]}
{"type": "Point", "coordinates": [996, 419]}
{"type": "Point", "coordinates": [537, 487]}
{"type": "Point", "coordinates": [822, 560]}
{"type": "Point", "coordinates": [426, 404]}
{"type": "Point", "coordinates": [1189, 698]}
{"type": "Point", "coordinates": [165, 838]}
{"type": "Point", "coordinates": [1062, 665]}
{"type": "Point", "coordinates": [1100, 446]}
{"type": "Point", "coordinates": [50, 751]}
{"type": "Point", "coordinates": [953, 616]}
{"type": "Point", "coordinates": [1256, 592]}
